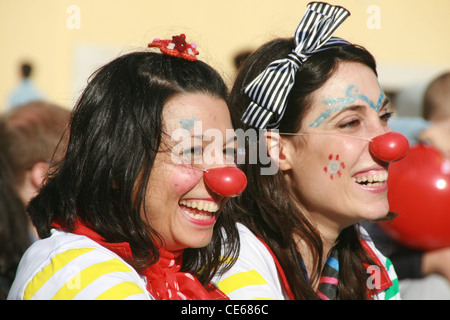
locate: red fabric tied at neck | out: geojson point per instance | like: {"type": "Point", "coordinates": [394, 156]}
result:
{"type": "Point", "coordinates": [166, 282]}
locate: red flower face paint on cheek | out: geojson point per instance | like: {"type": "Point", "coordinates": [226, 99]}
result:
{"type": "Point", "coordinates": [185, 179]}
{"type": "Point", "coordinates": [334, 166]}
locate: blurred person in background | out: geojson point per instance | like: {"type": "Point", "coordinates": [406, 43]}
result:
{"type": "Point", "coordinates": [26, 91]}
{"type": "Point", "coordinates": [436, 110]}
{"type": "Point", "coordinates": [31, 136]}
{"type": "Point", "coordinates": [433, 126]}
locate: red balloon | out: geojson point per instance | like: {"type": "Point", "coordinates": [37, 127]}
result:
{"type": "Point", "coordinates": [419, 192]}
{"type": "Point", "coordinates": [389, 147]}
{"type": "Point", "coordinates": [225, 181]}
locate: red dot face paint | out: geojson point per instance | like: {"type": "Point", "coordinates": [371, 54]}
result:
{"type": "Point", "coordinates": [334, 166]}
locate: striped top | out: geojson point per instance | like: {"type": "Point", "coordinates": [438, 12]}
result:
{"type": "Point", "coordinates": [255, 275]}
{"type": "Point", "coordinates": [328, 283]}
{"type": "Point", "coordinates": [66, 266]}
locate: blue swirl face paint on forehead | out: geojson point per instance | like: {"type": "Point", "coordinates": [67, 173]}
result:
{"type": "Point", "coordinates": [339, 104]}
{"type": "Point", "coordinates": [188, 124]}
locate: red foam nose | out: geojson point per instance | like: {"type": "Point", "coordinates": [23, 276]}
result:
{"type": "Point", "coordinates": [389, 147]}
{"type": "Point", "coordinates": [225, 181]}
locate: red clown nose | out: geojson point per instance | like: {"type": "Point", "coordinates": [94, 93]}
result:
{"type": "Point", "coordinates": [389, 147]}
{"type": "Point", "coordinates": [225, 181]}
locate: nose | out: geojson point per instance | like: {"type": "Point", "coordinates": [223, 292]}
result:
{"type": "Point", "coordinates": [225, 181]}
{"type": "Point", "coordinates": [389, 147]}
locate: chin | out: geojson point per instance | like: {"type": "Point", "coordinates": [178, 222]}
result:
{"type": "Point", "coordinates": [198, 243]}
{"type": "Point", "coordinates": [376, 214]}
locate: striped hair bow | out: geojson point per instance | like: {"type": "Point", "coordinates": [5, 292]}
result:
{"type": "Point", "coordinates": [269, 91]}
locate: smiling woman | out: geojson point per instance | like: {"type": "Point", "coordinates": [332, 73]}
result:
{"type": "Point", "coordinates": [178, 202]}
{"type": "Point", "coordinates": [349, 202]}
{"type": "Point", "coordinates": [299, 231]}
{"type": "Point", "coordinates": [117, 217]}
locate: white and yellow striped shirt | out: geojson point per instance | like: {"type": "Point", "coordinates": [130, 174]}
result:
{"type": "Point", "coordinates": [67, 266]}
{"type": "Point", "coordinates": [255, 276]}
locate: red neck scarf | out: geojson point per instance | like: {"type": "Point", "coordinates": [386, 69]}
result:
{"type": "Point", "coordinates": [164, 279]}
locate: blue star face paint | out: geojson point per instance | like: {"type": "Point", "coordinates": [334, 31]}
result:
{"type": "Point", "coordinates": [338, 104]}
{"type": "Point", "coordinates": [188, 124]}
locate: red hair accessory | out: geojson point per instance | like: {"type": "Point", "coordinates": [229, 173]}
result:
{"type": "Point", "coordinates": [177, 47]}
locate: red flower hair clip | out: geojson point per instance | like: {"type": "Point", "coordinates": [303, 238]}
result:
{"type": "Point", "coordinates": [177, 47]}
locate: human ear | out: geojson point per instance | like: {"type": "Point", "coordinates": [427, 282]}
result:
{"type": "Point", "coordinates": [38, 174]}
{"type": "Point", "coordinates": [279, 150]}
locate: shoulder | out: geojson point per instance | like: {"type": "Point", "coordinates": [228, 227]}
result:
{"type": "Point", "coordinates": [252, 247]}
{"type": "Point", "coordinates": [254, 274]}
{"type": "Point", "coordinates": [68, 266]}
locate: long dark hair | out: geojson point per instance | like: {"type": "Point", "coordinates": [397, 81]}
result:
{"type": "Point", "coordinates": [115, 134]}
{"type": "Point", "coordinates": [267, 207]}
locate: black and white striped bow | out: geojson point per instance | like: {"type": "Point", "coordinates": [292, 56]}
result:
{"type": "Point", "coordinates": [269, 91]}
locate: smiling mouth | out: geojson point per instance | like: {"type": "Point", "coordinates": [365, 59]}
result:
{"type": "Point", "coordinates": [371, 180]}
{"type": "Point", "coordinates": [199, 209]}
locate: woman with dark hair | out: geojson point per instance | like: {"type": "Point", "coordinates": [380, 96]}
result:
{"type": "Point", "coordinates": [124, 215]}
{"type": "Point", "coordinates": [317, 103]}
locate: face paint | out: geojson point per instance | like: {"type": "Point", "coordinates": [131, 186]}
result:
{"type": "Point", "coordinates": [342, 103]}
{"type": "Point", "coordinates": [185, 179]}
{"type": "Point", "coordinates": [334, 166]}
{"type": "Point", "coordinates": [188, 124]}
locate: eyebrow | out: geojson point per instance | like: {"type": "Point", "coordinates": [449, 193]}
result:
{"type": "Point", "coordinates": [348, 108]}
{"type": "Point", "coordinates": [201, 137]}
{"type": "Point", "coordinates": [359, 106]}
{"type": "Point", "coordinates": [382, 102]}
{"type": "Point", "coordinates": [385, 102]}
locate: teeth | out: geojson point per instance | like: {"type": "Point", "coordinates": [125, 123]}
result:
{"type": "Point", "coordinates": [372, 180]}
{"type": "Point", "coordinates": [201, 205]}
{"type": "Point", "coordinates": [197, 216]}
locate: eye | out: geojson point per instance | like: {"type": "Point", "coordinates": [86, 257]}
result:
{"type": "Point", "coordinates": [350, 124]}
{"type": "Point", "coordinates": [230, 155]}
{"type": "Point", "coordinates": [386, 116]}
{"type": "Point", "coordinates": [195, 152]}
